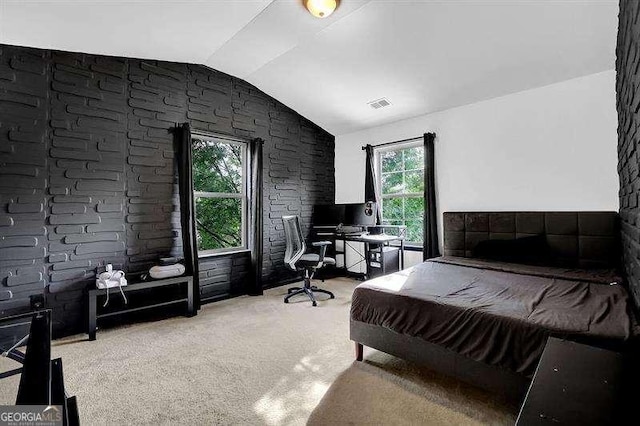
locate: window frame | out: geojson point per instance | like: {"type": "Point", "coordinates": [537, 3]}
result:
{"type": "Point", "coordinates": [243, 195]}
{"type": "Point", "coordinates": [377, 151]}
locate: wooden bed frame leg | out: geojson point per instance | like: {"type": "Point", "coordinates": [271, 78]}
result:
{"type": "Point", "coordinates": [359, 351]}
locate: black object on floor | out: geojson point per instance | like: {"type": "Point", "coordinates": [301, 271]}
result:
{"type": "Point", "coordinates": [575, 384]}
{"type": "Point", "coordinates": [35, 381]}
{"type": "Point", "coordinates": [59, 395]}
{"type": "Point", "coordinates": [42, 379]}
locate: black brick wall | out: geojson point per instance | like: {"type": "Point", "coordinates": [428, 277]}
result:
{"type": "Point", "coordinates": [628, 105]}
{"type": "Point", "coordinates": [87, 171]}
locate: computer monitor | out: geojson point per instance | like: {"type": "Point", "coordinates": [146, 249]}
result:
{"type": "Point", "coordinates": [360, 214]}
{"type": "Point", "coordinates": [328, 215]}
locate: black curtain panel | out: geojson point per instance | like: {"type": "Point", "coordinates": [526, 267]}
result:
{"type": "Point", "coordinates": [431, 246]}
{"type": "Point", "coordinates": [182, 139]}
{"type": "Point", "coordinates": [255, 213]}
{"type": "Point", "coordinates": [371, 192]}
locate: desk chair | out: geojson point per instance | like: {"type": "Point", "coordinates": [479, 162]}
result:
{"type": "Point", "coordinates": [296, 258]}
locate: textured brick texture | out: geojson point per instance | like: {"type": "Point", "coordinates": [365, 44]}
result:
{"type": "Point", "coordinates": [87, 173]}
{"type": "Point", "coordinates": [628, 105]}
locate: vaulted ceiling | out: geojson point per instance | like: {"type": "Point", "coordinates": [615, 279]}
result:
{"type": "Point", "coordinates": [424, 56]}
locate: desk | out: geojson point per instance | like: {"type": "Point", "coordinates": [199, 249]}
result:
{"type": "Point", "coordinates": [381, 240]}
{"type": "Point", "coordinates": [358, 234]}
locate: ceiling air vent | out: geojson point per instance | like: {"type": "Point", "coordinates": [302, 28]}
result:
{"type": "Point", "coordinates": [379, 103]}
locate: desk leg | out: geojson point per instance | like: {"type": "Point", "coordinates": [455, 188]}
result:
{"type": "Point", "coordinates": [367, 247]}
{"type": "Point", "coordinates": [190, 310]}
{"type": "Point", "coordinates": [401, 254]}
{"type": "Point", "coordinates": [93, 302]}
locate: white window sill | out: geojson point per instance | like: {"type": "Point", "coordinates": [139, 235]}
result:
{"type": "Point", "coordinates": [223, 253]}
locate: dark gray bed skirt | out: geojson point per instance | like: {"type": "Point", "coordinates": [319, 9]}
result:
{"type": "Point", "coordinates": [509, 386]}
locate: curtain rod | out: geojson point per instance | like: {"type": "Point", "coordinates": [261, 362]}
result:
{"type": "Point", "coordinates": [395, 142]}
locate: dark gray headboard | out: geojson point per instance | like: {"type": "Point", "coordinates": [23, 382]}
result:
{"type": "Point", "coordinates": [583, 239]}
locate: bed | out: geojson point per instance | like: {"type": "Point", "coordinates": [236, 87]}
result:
{"type": "Point", "coordinates": [487, 321]}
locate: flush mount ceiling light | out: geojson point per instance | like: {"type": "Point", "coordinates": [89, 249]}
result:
{"type": "Point", "coordinates": [321, 8]}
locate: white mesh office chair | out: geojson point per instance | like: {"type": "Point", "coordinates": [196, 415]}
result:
{"type": "Point", "coordinates": [296, 258]}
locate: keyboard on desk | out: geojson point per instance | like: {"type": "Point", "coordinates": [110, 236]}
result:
{"type": "Point", "coordinates": [372, 237]}
{"type": "Point", "coordinates": [375, 237]}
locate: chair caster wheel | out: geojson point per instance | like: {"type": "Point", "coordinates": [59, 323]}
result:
{"type": "Point", "coordinates": [332, 297]}
{"type": "Point", "coordinates": [286, 301]}
{"type": "Point", "coordinates": [314, 304]}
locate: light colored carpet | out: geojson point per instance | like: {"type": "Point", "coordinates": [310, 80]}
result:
{"type": "Point", "coordinates": [386, 390]}
{"type": "Point", "coordinates": [251, 360]}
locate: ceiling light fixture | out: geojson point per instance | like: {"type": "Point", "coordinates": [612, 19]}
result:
{"type": "Point", "coordinates": [321, 8]}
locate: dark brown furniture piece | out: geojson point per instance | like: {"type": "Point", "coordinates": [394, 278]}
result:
{"type": "Point", "coordinates": [41, 378]}
{"type": "Point", "coordinates": [575, 384]}
{"type": "Point", "coordinates": [382, 260]}
{"type": "Point", "coordinates": [575, 239]}
{"type": "Point", "coordinates": [186, 298]}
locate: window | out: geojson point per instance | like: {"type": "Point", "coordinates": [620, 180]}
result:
{"type": "Point", "coordinates": [220, 192]}
{"type": "Point", "coordinates": [401, 180]}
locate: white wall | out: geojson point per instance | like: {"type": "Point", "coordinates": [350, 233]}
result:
{"type": "Point", "coordinates": [550, 148]}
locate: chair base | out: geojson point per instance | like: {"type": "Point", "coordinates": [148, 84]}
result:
{"type": "Point", "coordinates": [307, 289]}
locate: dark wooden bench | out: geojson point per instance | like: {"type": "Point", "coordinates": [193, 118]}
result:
{"type": "Point", "coordinates": [94, 294]}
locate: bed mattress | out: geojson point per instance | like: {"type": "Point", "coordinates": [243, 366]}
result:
{"type": "Point", "coordinates": [497, 313]}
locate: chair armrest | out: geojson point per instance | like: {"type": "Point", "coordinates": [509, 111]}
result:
{"type": "Point", "coordinates": [323, 249]}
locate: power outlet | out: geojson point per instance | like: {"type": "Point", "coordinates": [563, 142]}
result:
{"type": "Point", "coordinates": [37, 302]}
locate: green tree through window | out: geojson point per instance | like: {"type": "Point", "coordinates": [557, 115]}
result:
{"type": "Point", "coordinates": [401, 179]}
{"type": "Point", "coordinates": [219, 192]}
